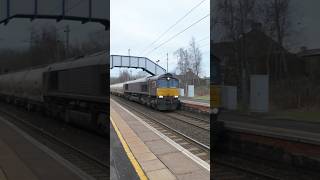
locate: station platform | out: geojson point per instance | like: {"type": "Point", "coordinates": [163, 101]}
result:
{"type": "Point", "coordinates": [152, 154]}
{"type": "Point", "coordinates": [22, 157]}
{"type": "Point", "coordinates": [202, 101]}
{"type": "Point", "coordinates": [300, 131]}
{"type": "Point", "coordinates": [195, 104]}
{"type": "Point", "coordinates": [120, 165]}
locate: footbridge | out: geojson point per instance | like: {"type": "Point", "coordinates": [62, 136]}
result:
{"type": "Point", "coordinates": [82, 10]}
{"type": "Point", "coordinates": [136, 62]}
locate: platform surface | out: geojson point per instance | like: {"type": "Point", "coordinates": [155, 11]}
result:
{"type": "Point", "coordinates": [22, 158]}
{"type": "Point", "coordinates": [203, 101]}
{"type": "Point", "coordinates": [120, 166]}
{"type": "Point", "coordinates": [195, 102]}
{"type": "Point", "coordinates": [289, 129]}
{"type": "Point", "coordinates": [158, 158]}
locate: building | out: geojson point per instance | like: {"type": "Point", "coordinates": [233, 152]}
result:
{"type": "Point", "coordinates": [311, 58]}
{"type": "Point", "coordinates": [262, 54]}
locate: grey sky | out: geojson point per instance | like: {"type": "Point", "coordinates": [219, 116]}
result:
{"type": "Point", "coordinates": [136, 24]}
{"type": "Point", "coordinates": [307, 14]}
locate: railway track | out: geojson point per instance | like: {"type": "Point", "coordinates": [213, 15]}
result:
{"type": "Point", "coordinates": [224, 170]}
{"type": "Point", "coordinates": [194, 121]}
{"type": "Point", "coordinates": [197, 148]}
{"type": "Point", "coordinates": [189, 115]}
{"type": "Point", "coordinates": [94, 167]}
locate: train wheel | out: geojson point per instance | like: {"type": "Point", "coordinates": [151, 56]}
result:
{"type": "Point", "coordinates": [154, 106]}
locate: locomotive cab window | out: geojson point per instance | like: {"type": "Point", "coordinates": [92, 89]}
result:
{"type": "Point", "coordinates": [173, 83]}
{"type": "Point", "coordinates": [162, 83]}
{"type": "Point", "coordinates": [165, 83]}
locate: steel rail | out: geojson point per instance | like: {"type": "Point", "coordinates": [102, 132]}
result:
{"type": "Point", "coordinates": [196, 125]}
{"type": "Point", "coordinates": [57, 140]}
{"type": "Point", "coordinates": [246, 170]}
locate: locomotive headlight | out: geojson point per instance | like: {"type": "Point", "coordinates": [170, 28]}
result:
{"type": "Point", "coordinates": [176, 96]}
{"type": "Point", "coordinates": [160, 96]}
{"type": "Point", "coordinates": [168, 78]}
{"type": "Point", "coordinates": [215, 110]}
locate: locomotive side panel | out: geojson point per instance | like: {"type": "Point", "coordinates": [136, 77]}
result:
{"type": "Point", "coordinates": [76, 81]}
{"type": "Point", "coordinates": [6, 84]}
{"type": "Point", "coordinates": [32, 85]}
{"type": "Point", "coordinates": [23, 85]}
{"type": "Point", "coordinates": [152, 88]}
{"type": "Point", "coordinates": [117, 89]}
{"type": "Point", "coordinates": [81, 86]}
{"type": "Point", "coordinates": [136, 88]}
{"type": "Point", "coordinates": [146, 91]}
{"type": "Point", "coordinates": [89, 82]}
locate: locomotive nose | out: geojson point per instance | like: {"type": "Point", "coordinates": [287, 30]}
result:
{"type": "Point", "coordinates": [172, 92]}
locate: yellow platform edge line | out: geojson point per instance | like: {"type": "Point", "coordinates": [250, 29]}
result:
{"type": "Point", "coordinates": [132, 159]}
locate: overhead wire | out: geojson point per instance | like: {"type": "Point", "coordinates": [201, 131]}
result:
{"type": "Point", "coordinates": [163, 54]}
{"type": "Point", "coordinates": [172, 37]}
{"type": "Point", "coordinates": [179, 20]}
{"type": "Point", "coordinates": [203, 39]}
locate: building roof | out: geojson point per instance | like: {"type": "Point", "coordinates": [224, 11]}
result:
{"type": "Point", "coordinates": [258, 45]}
{"type": "Point", "coordinates": [309, 52]}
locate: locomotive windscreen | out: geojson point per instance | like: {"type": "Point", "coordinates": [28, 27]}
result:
{"type": "Point", "coordinates": [165, 83]}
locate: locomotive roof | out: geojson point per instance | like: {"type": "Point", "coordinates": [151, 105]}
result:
{"type": "Point", "coordinates": [116, 85]}
{"type": "Point", "coordinates": [162, 76]}
{"type": "Point", "coordinates": [95, 59]}
{"type": "Point", "coordinates": [144, 79]}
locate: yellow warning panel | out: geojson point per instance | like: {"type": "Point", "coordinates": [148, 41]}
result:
{"type": "Point", "coordinates": [215, 96]}
{"type": "Point", "coordinates": [132, 159]}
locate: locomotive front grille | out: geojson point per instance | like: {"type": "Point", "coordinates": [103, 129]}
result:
{"type": "Point", "coordinates": [167, 92]}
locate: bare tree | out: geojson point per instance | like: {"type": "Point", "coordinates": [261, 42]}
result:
{"type": "Point", "coordinates": [141, 74]}
{"type": "Point", "coordinates": [183, 63]}
{"type": "Point", "coordinates": [98, 41]}
{"type": "Point", "coordinates": [195, 58]}
{"type": "Point", "coordinates": [235, 18]}
{"type": "Point", "coordinates": [124, 76]}
{"type": "Point", "coordinates": [276, 19]}
{"type": "Point", "coordinates": [183, 60]}
{"type": "Point", "coordinates": [45, 46]}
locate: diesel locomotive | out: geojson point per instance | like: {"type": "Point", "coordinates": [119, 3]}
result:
{"type": "Point", "coordinates": [75, 90]}
{"type": "Point", "coordinates": [160, 92]}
